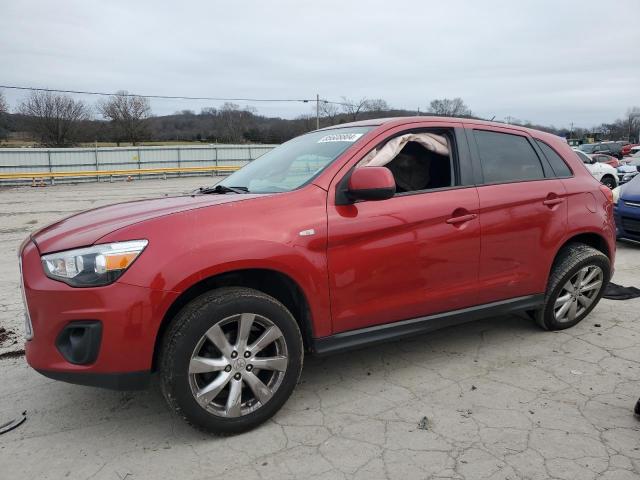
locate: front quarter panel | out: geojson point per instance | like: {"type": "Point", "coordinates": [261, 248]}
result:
{"type": "Point", "coordinates": [260, 233]}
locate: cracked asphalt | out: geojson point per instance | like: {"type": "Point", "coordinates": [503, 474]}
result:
{"type": "Point", "coordinates": [497, 399]}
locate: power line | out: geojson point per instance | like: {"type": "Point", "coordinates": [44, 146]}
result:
{"type": "Point", "coordinates": [316, 100]}
{"type": "Point", "coordinates": [166, 97]}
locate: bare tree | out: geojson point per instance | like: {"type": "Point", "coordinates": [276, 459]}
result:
{"type": "Point", "coordinates": [308, 121]}
{"type": "Point", "coordinates": [211, 111]}
{"type": "Point", "coordinates": [4, 109]}
{"type": "Point", "coordinates": [376, 105]}
{"type": "Point", "coordinates": [329, 112]}
{"type": "Point", "coordinates": [353, 108]}
{"type": "Point", "coordinates": [234, 122]}
{"type": "Point", "coordinates": [128, 115]}
{"type": "Point", "coordinates": [54, 118]}
{"type": "Point", "coordinates": [450, 107]}
{"type": "Point", "coordinates": [4, 106]}
{"type": "Point", "coordinates": [633, 118]}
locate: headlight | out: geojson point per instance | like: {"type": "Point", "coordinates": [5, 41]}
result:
{"type": "Point", "coordinates": [92, 266]}
{"type": "Point", "coordinates": [628, 177]}
{"type": "Point", "coordinates": [616, 195]}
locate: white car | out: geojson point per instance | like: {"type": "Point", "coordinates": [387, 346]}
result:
{"type": "Point", "coordinates": [629, 169]}
{"type": "Point", "coordinates": [605, 174]}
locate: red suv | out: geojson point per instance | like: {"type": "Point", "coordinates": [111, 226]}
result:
{"type": "Point", "coordinates": [337, 239]}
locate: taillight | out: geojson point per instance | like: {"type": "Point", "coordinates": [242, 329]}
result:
{"type": "Point", "coordinates": [607, 193]}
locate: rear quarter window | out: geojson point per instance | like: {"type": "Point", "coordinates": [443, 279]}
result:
{"type": "Point", "coordinates": [507, 157]}
{"type": "Point", "coordinates": [558, 165]}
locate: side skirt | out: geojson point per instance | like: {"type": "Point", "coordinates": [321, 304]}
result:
{"type": "Point", "coordinates": [341, 342]}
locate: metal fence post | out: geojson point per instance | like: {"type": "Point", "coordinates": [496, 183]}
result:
{"type": "Point", "coordinates": [179, 160]}
{"type": "Point", "coordinates": [49, 161]}
{"type": "Point", "coordinates": [139, 162]}
{"type": "Point", "coordinates": [96, 154]}
{"type": "Point", "coordinates": [215, 149]}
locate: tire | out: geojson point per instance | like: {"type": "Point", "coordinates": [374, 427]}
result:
{"type": "Point", "coordinates": [216, 390]}
{"type": "Point", "coordinates": [608, 181]}
{"type": "Point", "coordinates": [576, 264]}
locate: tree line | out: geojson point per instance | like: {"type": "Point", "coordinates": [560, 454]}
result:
{"type": "Point", "coordinates": [59, 120]}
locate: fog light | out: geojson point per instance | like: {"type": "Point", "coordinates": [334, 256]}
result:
{"type": "Point", "coordinates": [79, 342]}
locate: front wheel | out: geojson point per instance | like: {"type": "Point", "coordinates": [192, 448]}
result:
{"type": "Point", "coordinates": [230, 359]}
{"type": "Point", "coordinates": [576, 284]}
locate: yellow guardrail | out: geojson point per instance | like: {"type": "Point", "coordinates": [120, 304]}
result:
{"type": "Point", "coordinates": [113, 173]}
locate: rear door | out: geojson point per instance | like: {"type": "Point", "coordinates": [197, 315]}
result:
{"type": "Point", "coordinates": [523, 213]}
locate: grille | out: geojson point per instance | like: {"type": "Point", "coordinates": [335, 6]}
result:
{"type": "Point", "coordinates": [631, 225]}
{"type": "Point", "coordinates": [632, 204]}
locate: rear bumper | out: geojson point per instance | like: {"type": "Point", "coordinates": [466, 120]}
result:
{"type": "Point", "coordinates": [117, 355]}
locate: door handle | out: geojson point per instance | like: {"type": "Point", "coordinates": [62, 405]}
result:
{"type": "Point", "coordinates": [550, 202]}
{"type": "Point", "coordinates": [461, 218]}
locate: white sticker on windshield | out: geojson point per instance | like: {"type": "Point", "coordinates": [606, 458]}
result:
{"type": "Point", "coordinates": [340, 137]}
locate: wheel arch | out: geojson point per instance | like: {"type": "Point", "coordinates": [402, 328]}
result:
{"type": "Point", "coordinates": [271, 282]}
{"type": "Point", "coordinates": [593, 239]}
{"type": "Point", "coordinates": [609, 175]}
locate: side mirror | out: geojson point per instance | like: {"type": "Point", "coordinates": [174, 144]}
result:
{"type": "Point", "coordinates": [371, 183]}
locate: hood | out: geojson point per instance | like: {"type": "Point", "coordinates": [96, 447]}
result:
{"type": "Point", "coordinates": [88, 227]}
{"type": "Point", "coordinates": [631, 191]}
{"type": "Point", "coordinates": [627, 168]}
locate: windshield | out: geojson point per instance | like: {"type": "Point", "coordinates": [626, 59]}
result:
{"type": "Point", "coordinates": [582, 156]}
{"type": "Point", "coordinates": [587, 147]}
{"type": "Point", "coordinates": [295, 162]}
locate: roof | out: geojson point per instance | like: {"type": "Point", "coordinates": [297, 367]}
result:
{"type": "Point", "coordinates": [398, 121]}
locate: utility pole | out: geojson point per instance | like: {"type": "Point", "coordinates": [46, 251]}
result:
{"type": "Point", "coordinates": [571, 131]}
{"type": "Point", "coordinates": [317, 111]}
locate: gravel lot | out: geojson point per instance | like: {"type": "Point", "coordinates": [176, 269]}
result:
{"type": "Point", "coordinates": [495, 399]}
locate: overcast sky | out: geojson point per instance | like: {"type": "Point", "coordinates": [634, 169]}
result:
{"type": "Point", "coordinates": [550, 62]}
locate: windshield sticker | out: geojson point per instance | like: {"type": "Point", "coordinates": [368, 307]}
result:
{"type": "Point", "coordinates": [340, 137]}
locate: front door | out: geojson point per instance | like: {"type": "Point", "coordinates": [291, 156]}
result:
{"type": "Point", "coordinates": [409, 256]}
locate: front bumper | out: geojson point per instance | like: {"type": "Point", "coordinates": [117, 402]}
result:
{"type": "Point", "coordinates": [627, 221]}
{"type": "Point", "coordinates": [129, 317]}
{"type": "Point", "coordinates": [113, 381]}
{"type": "Point", "coordinates": [625, 177]}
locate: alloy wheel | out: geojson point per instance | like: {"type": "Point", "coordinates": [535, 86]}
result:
{"type": "Point", "coordinates": [237, 365]}
{"type": "Point", "coordinates": [578, 293]}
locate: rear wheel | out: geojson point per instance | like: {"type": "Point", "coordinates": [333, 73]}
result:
{"type": "Point", "coordinates": [230, 360]}
{"type": "Point", "coordinates": [608, 181]}
{"type": "Point", "coordinates": [576, 284]}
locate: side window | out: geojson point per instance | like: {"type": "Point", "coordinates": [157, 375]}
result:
{"type": "Point", "coordinates": [584, 157]}
{"type": "Point", "coordinates": [557, 163]}
{"type": "Point", "coordinates": [416, 168]}
{"type": "Point", "coordinates": [507, 158]}
{"type": "Point", "coordinates": [418, 161]}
